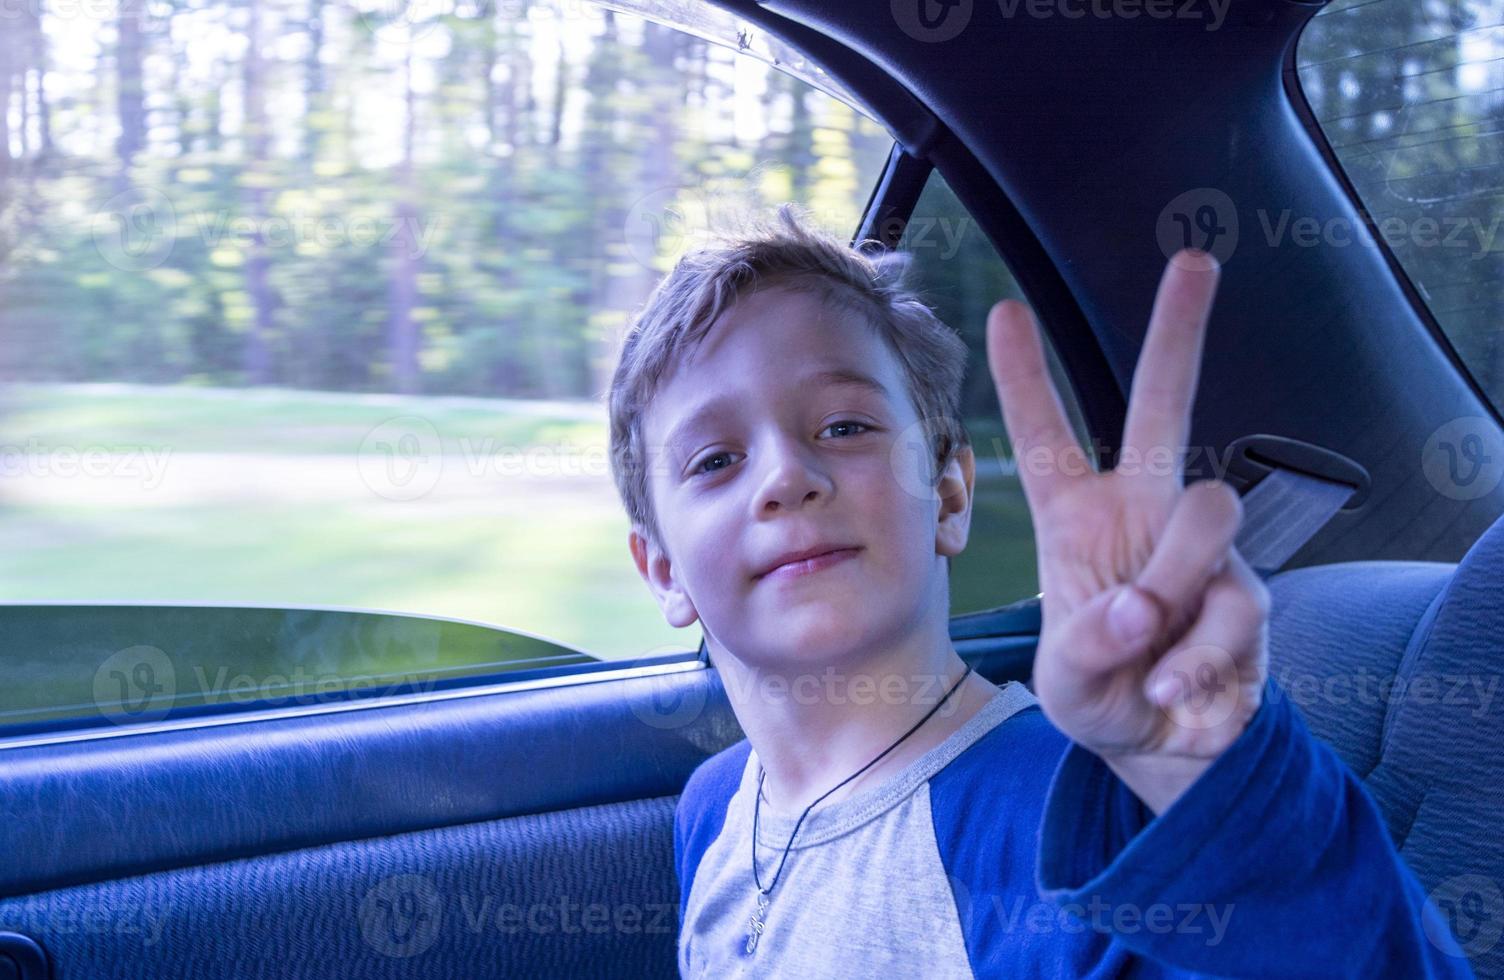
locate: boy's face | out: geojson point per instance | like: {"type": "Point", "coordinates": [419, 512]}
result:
{"type": "Point", "coordinates": [767, 471]}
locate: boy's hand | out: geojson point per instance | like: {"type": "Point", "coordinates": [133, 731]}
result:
{"type": "Point", "coordinates": [1133, 541]}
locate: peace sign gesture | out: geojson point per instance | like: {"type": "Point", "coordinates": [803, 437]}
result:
{"type": "Point", "coordinates": [1153, 651]}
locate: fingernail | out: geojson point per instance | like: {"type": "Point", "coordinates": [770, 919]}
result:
{"type": "Point", "coordinates": [1130, 616]}
{"type": "Point", "coordinates": [1164, 691]}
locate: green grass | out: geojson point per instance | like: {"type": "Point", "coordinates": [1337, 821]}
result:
{"type": "Point", "coordinates": [548, 557]}
{"type": "Point", "coordinates": [195, 420]}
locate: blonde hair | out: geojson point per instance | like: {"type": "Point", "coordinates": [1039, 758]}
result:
{"type": "Point", "coordinates": [706, 282]}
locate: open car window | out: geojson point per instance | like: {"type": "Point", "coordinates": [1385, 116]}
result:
{"type": "Point", "coordinates": [313, 306]}
{"type": "Point", "coordinates": [958, 272]}
{"type": "Point", "coordinates": [1408, 96]}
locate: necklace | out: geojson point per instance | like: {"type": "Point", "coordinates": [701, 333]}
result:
{"type": "Point", "coordinates": [757, 922]}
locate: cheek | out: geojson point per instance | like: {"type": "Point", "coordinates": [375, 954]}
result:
{"type": "Point", "coordinates": [901, 518]}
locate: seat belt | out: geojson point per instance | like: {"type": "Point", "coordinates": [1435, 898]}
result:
{"type": "Point", "coordinates": [1282, 512]}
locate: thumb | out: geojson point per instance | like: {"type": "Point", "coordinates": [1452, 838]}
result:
{"type": "Point", "coordinates": [1112, 630]}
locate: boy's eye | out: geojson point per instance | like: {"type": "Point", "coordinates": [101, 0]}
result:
{"type": "Point", "coordinates": [846, 423]}
{"type": "Point", "coordinates": [706, 465]}
{"type": "Point", "coordinates": [700, 466]}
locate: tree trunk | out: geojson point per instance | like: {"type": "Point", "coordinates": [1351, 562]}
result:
{"type": "Point", "coordinates": [131, 95]}
{"type": "Point", "coordinates": [402, 332]}
{"type": "Point", "coordinates": [257, 354]}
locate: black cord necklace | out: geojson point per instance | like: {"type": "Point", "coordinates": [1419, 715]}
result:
{"type": "Point", "coordinates": [757, 924]}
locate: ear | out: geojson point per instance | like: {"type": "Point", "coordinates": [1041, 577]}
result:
{"type": "Point", "coordinates": [954, 490]}
{"type": "Point", "coordinates": [657, 571]}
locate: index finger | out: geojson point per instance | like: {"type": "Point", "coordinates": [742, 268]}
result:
{"type": "Point", "coordinates": [1164, 380]}
{"type": "Point", "coordinates": [1031, 406]}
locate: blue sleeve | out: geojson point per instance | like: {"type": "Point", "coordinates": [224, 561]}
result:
{"type": "Point", "coordinates": [1274, 862]}
{"type": "Point", "coordinates": [701, 812]}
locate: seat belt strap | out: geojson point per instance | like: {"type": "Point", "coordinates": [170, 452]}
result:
{"type": "Point", "coordinates": [1282, 512]}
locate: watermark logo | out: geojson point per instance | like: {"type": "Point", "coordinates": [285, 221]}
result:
{"type": "Point", "coordinates": [1204, 218]}
{"type": "Point", "coordinates": [931, 21]}
{"type": "Point", "coordinates": [1464, 459]}
{"type": "Point", "coordinates": [1465, 915]}
{"type": "Point", "coordinates": [664, 222]}
{"type": "Point", "coordinates": [136, 230]}
{"type": "Point", "coordinates": [912, 461]}
{"type": "Point", "coordinates": [672, 700]}
{"type": "Point", "coordinates": [402, 458]}
{"type": "Point", "coordinates": [1201, 679]}
{"type": "Point", "coordinates": [136, 684]}
{"type": "Point", "coordinates": [400, 916]}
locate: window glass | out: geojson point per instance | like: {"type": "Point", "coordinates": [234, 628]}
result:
{"type": "Point", "coordinates": [1408, 95]}
{"type": "Point", "coordinates": [960, 275]}
{"type": "Point", "coordinates": [306, 304]}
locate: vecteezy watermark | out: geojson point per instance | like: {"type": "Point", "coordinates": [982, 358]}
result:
{"type": "Point", "coordinates": [35, 459]}
{"type": "Point", "coordinates": [538, 460]}
{"type": "Point", "coordinates": [136, 684]}
{"type": "Point", "coordinates": [403, 916]}
{"type": "Point", "coordinates": [1464, 459]}
{"type": "Point", "coordinates": [1461, 232]}
{"type": "Point", "coordinates": [665, 221]}
{"type": "Point", "coordinates": [931, 21]}
{"type": "Point", "coordinates": [118, 919]}
{"type": "Point", "coordinates": [1476, 692]}
{"type": "Point", "coordinates": [1464, 915]}
{"type": "Point", "coordinates": [135, 230]}
{"type": "Point", "coordinates": [912, 462]}
{"type": "Point", "coordinates": [1202, 218]}
{"type": "Point", "coordinates": [142, 683]}
{"type": "Point", "coordinates": [834, 687]}
{"type": "Point", "coordinates": [667, 701]}
{"type": "Point", "coordinates": [1015, 914]}
{"type": "Point", "coordinates": [934, 21]}
{"type": "Point", "coordinates": [1206, 218]}
{"type": "Point", "coordinates": [139, 229]}
{"type": "Point", "coordinates": [1212, 14]}
{"type": "Point", "coordinates": [402, 458]}
{"type": "Point", "coordinates": [1202, 680]}
{"type": "Point", "coordinates": [676, 700]}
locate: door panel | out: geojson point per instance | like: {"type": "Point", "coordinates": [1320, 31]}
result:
{"type": "Point", "coordinates": [513, 833]}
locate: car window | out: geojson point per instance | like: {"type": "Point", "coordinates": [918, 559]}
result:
{"type": "Point", "coordinates": [960, 275]}
{"type": "Point", "coordinates": [308, 304]}
{"type": "Point", "coordinates": [1407, 95]}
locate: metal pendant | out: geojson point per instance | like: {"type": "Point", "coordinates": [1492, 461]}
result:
{"type": "Point", "coordinates": [756, 925]}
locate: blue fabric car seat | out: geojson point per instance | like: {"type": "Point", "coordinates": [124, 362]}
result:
{"type": "Point", "coordinates": [1397, 666]}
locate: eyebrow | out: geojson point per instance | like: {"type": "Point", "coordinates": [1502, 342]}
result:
{"type": "Point", "coordinates": [829, 378]}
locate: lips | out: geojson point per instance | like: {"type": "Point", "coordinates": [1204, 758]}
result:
{"type": "Point", "coordinates": [805, 554]}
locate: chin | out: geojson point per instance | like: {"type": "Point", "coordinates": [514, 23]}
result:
{"type": "Point", "coordinates": [819, 637]}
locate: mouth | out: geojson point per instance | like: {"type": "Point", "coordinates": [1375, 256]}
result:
{"type": "Point", "coordinates": [808, 564]}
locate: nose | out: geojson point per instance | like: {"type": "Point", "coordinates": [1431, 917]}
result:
{"type": "Point", "coordinates": [792, 476]}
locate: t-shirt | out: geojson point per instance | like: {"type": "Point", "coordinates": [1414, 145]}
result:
{"type": "Point", "coordinates": [1009, 851]}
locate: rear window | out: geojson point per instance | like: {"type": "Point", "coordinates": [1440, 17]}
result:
{"type": "Point", "coordinates": [1411, 99]}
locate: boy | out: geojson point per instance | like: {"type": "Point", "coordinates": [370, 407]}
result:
{"type": "Point", "coordinates": [890, 811]}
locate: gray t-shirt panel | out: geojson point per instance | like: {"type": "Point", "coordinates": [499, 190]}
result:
{"type": "Point", "coordinates": [864, 888]}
